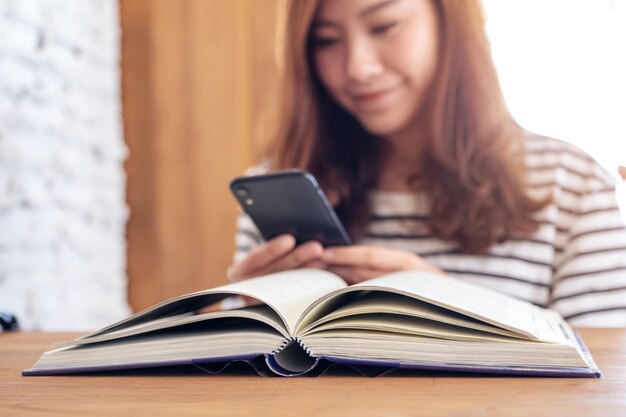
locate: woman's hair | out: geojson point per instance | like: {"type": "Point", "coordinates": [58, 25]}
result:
{"type": "Point", "coordinates": [472, 165]}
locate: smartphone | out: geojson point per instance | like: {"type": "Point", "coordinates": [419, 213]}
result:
{"type": "Point", "coordinates": [291, 202]}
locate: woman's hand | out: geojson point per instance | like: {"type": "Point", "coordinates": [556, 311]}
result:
{"type": "Point", "coordinates": [359, 263]}
{"type": "Point", "coordinates": [278, 254]}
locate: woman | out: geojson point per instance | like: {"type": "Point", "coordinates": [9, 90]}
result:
{"type": "Point", "coordinates": [395, 107]}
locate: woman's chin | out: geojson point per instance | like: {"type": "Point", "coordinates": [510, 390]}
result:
{"type": "Point", "coordinates": [382, 128]}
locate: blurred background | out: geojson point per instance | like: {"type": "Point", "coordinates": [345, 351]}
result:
{"type": "Point", "coordinates": [122, 122]}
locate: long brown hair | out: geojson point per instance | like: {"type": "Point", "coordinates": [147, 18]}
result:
{"type": "Point", "coordinates": [472, 166]}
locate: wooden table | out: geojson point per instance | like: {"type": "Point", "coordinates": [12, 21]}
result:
{"type": "Point", "coordinates": [342, 394]}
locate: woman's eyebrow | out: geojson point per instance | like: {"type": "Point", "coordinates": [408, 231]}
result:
{"type": "Point", "coordinates": [377, 6]}
{"type": "Point", "coordinates": [363, 13]}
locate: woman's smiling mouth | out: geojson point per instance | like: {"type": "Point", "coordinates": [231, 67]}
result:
{"type": "Point", "coordinates": [374, 98]}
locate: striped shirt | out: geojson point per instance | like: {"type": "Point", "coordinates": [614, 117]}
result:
{"type": "Point", "coordinates": [575, 263]}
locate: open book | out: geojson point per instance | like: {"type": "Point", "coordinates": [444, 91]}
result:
{"type": "Point", "coordinates": [310, 318]}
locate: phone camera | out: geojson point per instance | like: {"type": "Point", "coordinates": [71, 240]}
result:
{"type": "Point", "coordinates": [244, 195]}
{"type": "Point", "coordinates": [242, 192]}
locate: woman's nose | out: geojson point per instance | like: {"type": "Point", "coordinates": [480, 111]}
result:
{"type": "Point", "coordinates": [363, 61]}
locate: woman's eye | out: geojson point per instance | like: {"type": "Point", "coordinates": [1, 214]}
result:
{"type": "Point", "coordinates": [384, 28]}
{"type": "Point", "coordinates": [320, 42]}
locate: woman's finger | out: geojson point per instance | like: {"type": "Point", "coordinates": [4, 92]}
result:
{"type": "Point", "coordinates": [371, 257]}
{"type": "Point", "coordinates": [315, 264]}
{"type": "Point", "coordinates": [262, 257]}
{"type": "Point", "coordinates": [301, 255]}
{"type": "Point", "coordinates": [352, 275]}
{"type": "Point", "coordinates": [378, 259]}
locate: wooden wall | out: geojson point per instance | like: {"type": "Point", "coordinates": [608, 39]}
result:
{"type": "Point", "coordinates": [195, 78]}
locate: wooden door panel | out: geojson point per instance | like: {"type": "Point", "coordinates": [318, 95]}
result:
{"type": "Point", "coordinates": [194, 79]}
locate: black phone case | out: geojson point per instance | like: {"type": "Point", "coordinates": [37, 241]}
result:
{"type": "Point", "coordinates": [290, 202]}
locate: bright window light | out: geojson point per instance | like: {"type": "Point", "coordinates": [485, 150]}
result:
{"type": "Point", "coordinates": [562, 67]}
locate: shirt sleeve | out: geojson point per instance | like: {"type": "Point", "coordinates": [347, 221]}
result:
{"type": "Point", "coordinates": [590, 272]}
{"type": "Point", "coordinates": [247, 237]}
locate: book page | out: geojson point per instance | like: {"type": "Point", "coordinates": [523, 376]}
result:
{"type": "Point", "coordinates": [392, 323]}
{"type": "Point", "coordinates": [165, 349]}
{"type": "Point", "coordinates": [379, 302]}
{"type": "Point", "coordinates": [289, 292]}
{"type": "Point", "coordinates": [391, 348]}
{"type": "Point", "coordinates": [474, 301]}
{"type": "Point", "coordinates": [261, 313]}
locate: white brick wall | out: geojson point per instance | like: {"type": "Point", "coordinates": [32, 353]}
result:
{"type": "Point", "coordinates": [62, 183]}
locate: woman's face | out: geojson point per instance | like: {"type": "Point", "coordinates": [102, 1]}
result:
{"type": "Point", "coordinates": [377, 58]}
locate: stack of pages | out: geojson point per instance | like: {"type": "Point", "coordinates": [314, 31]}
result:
{"type": "Point", "coordinates": [310, 318]}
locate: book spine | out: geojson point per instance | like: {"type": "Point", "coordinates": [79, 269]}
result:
{"type": "Point", "coordinates": [292, 359]}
